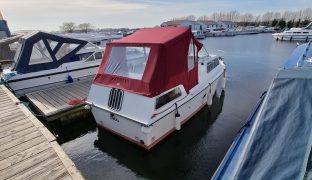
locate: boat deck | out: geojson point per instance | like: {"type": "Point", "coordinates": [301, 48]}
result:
{"type": "Point", "coordinates": [28, 150]}
{"type": "Point", "coordinates": [52, 101]}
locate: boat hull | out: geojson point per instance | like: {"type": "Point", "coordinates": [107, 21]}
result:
{"type": "Point", "coordinates": [23, 84]}
{"type": "Point", "coordinates": [149, 135]}
{"type": "Point", "coordinates": [284, 37]}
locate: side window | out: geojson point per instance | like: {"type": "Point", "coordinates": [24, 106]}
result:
{"type": "Point", "coordinates": [168, 97]}
{"type": "Point", "coordinates": [39, 54]}
{"type": "Point", "coordinates": [212, 64]}
{"type": "Point", "coordinates": [191, 56]}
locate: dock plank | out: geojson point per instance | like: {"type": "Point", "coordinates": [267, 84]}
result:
{"type": "Point", "coordinates": [28, 150]}
{"type": "Point", "coordinates": [59, 97]}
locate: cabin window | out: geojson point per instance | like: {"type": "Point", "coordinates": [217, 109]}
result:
{"type": "Point", "coordinates": [191, 56]}
{"type": "Point", "coordinates": [39, 54]}
{"type": "Point", "coordinates": [65, 49]}
{"type": "Point", "coordinates": [128, 62]}
{"type": "Point", "coordinates": [98, 55]}
{"type": "Point", "coordinates": [212, 64]}
{"type": "Point", "coordinates": [52, 44]}
{"type": "Point", "coordinates": [168, 97]}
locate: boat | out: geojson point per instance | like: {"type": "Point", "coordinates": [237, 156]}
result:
{"type": "Point", "coordinates": [97, 38]}
{"type": "Point", "coordinates": [276, 141]}
{"type": "Point", "coordinates": [295, 34]}
{"type": "Point", "coordinates": [153, 81]}
{"type": "Point", "coordinates": [246, 30]}
{"type": "Point", "coordinates": [44, 60]}
{"type": "Point", "coordinates": [198, 34]}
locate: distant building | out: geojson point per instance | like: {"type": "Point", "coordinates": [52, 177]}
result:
{"type": "Point", "coordinates": [174, 23]}
{"type": "Point", "coordinates": [209, 25]}
{"type": "Point", "coordinates": [195, 25]}
{"type": "Point", "coordinates": [227, 24]}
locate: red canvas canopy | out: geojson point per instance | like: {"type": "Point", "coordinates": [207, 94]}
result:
{"type": "Point", "coordinates": [166, 64]}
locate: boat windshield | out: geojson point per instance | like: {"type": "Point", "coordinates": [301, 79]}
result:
{"type": "Point", "coordinates": [128, 62]}
{"type": "Point", "coordinates": [203, 53]}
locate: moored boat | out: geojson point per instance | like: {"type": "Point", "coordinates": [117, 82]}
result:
{"type": "Point", "coordinates": [153, 81]}
{"type": "Point", "coordinates": [44, 60]}
{"type": "Point", "coordinates": [295, 34]}
{"type": "Point", "coordinates": [276, 141]}
{"type": "Point", "coordinates": [198, 34]}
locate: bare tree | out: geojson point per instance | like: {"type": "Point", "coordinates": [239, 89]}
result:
{"type": "Point", "coordinates": [307, 14]}
{"type": "Point", "coordinates": [68, 27]}
{"type": "Point", "coordinates": [203, 18]}
{"type": "Point", "coordinates": [85, 27]}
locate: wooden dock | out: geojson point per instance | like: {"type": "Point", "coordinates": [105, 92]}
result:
{"type": "Point", "coordinates": [53, 101]}
{"type": "Point", "coordinates": [28, 150]}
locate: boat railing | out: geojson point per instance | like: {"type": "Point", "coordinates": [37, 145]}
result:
{"type": "Point", "coordinates": [303, 55]}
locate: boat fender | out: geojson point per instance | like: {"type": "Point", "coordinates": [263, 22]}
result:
{"type": "Point", "coordinates": [282, 38]}
{"type": "Point", "coordinates": [146, 129]}
{"type": "Point", "coordinates": [290, 38]}
{"type": "Point", "coordinates": [209, 96]}
{"type": "Point", "coordinates": [69, 79]}
{"type": "Point", "coordinates": [307, 38]}
{"type": "Point", "coordinates": [223, 80]}
{"type": "Point", "coordinates": [87, 107]}
{"type": "Point", "coordinates": [177, 118]}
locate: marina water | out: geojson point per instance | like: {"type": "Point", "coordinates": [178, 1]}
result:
{"type": "Point", "coordinates": [196, 150]}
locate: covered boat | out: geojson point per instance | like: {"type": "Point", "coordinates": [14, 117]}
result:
{"type": "Point", "coordinates": [276, 141]}
{"type": "Point", "coordinates": [151, 82]}
{"type": "Point", "coordinates": [43, 60]}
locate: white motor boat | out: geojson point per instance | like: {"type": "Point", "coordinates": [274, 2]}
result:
{"type": "Point", "coordinates": [44, 60]}
{"type": "Point", "coordinates": [152, 82]}
{"type": "Point", "coordinates": [198, 34]}
{"type": "Point", "coordinates": [295, 34]}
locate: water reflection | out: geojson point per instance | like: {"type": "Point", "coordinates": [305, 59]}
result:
{"type": "Point", "coordinates": [171, 158]}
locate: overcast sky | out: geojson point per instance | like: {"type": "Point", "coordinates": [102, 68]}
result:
{"type": "Point", "coordinates": [50, 14]}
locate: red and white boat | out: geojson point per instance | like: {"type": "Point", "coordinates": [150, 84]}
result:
{"type": "Point", "coordinates": [152, 82]}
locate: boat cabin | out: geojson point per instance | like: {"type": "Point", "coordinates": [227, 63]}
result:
{"type": "Point", "coordinates": [151, 61]}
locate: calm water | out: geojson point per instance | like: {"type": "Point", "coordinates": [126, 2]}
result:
{"type": "Point", "coordinates": [196, 151]}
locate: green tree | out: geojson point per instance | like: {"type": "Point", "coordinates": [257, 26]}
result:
{"type": "Point", "coordinates": [274, 22]}
{"type": "Point", "coordinates": [297, 24]}
{"type": "Point", "coordinates": [305, 23]}
{"type": "Point", "coordinates": [282, 24]}
{"type": "Point", "coordinates": [290, 24]}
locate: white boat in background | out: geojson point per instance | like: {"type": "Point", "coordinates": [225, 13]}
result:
{"type": "Point", "coordinates": [152, 82]}
{"type": "Point", "coordinates": [97, 38]}
{"type": "Point", "coordinates": [44, 60]}
{"type": "Point", "coordinates": [246, 30]}
{"type": "Point", "coordinates": [198, 34]}
{"type": "Point", "coordinates": [295, 34]}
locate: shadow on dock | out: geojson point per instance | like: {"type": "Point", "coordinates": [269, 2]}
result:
{"type": "Point", "coordinates": [167, 160]}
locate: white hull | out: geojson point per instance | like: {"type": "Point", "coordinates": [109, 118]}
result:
{"type": "Point", "coordinates": [138, 125]}
{"type": "Point", "coordinates": [287, 37]}
{"type": "Point", "coordinates": [25, 83]}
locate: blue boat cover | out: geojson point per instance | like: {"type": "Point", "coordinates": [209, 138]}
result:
{"type": "Point", "coordinates": [43, 51]}
{"type": "Point", "coordinates": [278, 143]}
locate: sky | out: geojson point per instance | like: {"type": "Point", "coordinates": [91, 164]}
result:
{"type": "Point", "coordinates": [49, 15]}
